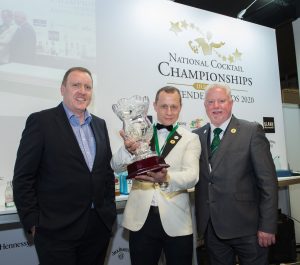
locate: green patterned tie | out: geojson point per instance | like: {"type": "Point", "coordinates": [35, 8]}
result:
{"type": "Point", "coordinates": [216, 141]}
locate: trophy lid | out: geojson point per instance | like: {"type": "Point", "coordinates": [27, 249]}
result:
{"type": "Point", "coordinates": [128, 108]}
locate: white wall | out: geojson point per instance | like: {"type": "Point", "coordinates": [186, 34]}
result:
{"type": "Point", "coordinates": [123, 43]}
{"type": "Point", "coordinates": [296, 30]}
{"type": "Point", "coordinates": [291, 114]}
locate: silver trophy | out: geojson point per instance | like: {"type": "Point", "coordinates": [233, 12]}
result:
{"type": "Point", "coordinates": [137, 127]}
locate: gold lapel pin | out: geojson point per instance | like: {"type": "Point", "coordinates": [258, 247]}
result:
{"type": "Point", "coordinates": [172, 142]}
{"type": "Point", "coordinates": [233, 130]}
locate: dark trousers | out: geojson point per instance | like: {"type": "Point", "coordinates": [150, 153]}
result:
{"type": "Point", "coordinates": [146, 245]}
{"type": "Point", "coordinates": [225, 251]}
{"type": "Point", "coordinates": [90, 249]}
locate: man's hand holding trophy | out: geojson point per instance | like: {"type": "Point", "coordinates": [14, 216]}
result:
{"type": "Point", "coordinates": [137, 133]}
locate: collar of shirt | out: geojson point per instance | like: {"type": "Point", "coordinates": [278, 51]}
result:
{"type": "Point", "coordinates": [223, 127]}
{"type": "Point", "coordinates": [74, 120]}
{"type": "Point", "coordinates": [163, 134]}
{"type": "Point", "coordinates": [164, 130]}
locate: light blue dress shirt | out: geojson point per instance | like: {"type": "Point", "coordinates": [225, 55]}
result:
{"type": "Point", "coordinates": [84, 135]}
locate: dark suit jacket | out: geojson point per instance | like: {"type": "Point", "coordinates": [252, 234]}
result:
{"type": "Point", "coordinates": [239, 194]}
{"type": "Point", "coordinates": [53, 186]}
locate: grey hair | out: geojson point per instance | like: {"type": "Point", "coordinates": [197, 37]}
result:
{"type": "Point", "coordinates": [222, 86]}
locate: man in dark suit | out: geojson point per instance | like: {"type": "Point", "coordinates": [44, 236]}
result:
{"type": "Point", "coordinates": [63, 182]}
{"type": "Point", "coordinates": [236, 196]}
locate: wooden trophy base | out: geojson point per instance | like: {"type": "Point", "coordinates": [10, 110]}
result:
{"type": "Point", "coordinates": [141, 167]}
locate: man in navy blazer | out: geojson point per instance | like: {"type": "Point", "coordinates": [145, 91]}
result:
{"type": "Point", "coordinates": [236, 196]}
{"type": "Point", "coordinates": [63, 183]}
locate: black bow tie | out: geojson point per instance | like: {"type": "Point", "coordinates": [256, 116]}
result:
{"type": "Point", "coordinates": [161, 126]}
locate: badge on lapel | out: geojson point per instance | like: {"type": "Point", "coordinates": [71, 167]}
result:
{"type": "Point", "coordinates": [171, 143]}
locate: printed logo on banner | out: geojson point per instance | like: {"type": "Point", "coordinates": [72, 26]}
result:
{"type": "Point", "coordinates": [120, 252]}
{"type": "Point", "coordinates": [196, 123]}
{"type": "Point", "coordinates": [269, 124]}
{"type": "Point", "coordinates": [182, 123]}
{"type": "Point", "coordinates": [9, 246]}
{"type": "Point", "coordinates": [211, 60]}
{"type": "Point", "coordinates": [203, 43]}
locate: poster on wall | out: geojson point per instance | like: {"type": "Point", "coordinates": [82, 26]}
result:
{"type": "Point", "coordinates": [145, 45]}
{"type": "Point", "coordinates": [136, 47]}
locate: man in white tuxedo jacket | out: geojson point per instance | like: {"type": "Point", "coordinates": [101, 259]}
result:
{"type": "Point", "coordinates": [159, 217]}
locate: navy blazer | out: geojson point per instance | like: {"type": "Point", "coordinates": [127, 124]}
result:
{"type": "Point", "coordinates": [53, 186]}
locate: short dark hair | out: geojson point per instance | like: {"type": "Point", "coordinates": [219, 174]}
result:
{"type": "Point", "coordinates": [77, 68]}
{"type": "Point", "coordinates": [169, 90]}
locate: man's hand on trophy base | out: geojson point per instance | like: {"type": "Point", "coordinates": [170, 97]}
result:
{"type": "Point", "coordinates": [158, 177]}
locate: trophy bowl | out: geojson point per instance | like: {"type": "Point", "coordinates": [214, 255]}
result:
{"type": "Point", "coordinates": [137, 127]}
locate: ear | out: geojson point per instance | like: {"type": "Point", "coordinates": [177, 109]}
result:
{"type": "Point", "coordinates": [155, 106]}
{"type": "Point", "coordinates": [62, 90]}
